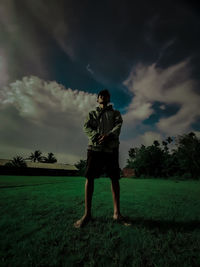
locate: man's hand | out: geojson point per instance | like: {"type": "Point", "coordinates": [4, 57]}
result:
{"type": "Point", "coordinates": [103, 138]}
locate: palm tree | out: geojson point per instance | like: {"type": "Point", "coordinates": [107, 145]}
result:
{"type": "Point", "coordinates": [169, 139]}
{"type": "Point", "coordinates": [17, 162]}
{"type": "Point", "coordinates": [50, 158]}
{"type": "Point", "coordinates": [36, 156]}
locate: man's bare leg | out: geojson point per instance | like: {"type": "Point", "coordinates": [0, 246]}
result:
{"type": "Point", "coordinates": [89, 189]}
{"type": "Point", "coordinates": [115, 188]}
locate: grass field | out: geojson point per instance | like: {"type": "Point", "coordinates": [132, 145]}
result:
{"type": "Point", "coordinates": [37, 216]}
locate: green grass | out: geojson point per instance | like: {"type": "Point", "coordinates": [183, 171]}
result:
{"type": "Point", "coordinates": [37, 216]}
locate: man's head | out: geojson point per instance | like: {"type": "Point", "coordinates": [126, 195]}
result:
{"type": "Point", "coordinates": [103, 97]}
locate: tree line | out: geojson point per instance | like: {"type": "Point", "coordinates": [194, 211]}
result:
{"type": "Point", "coordinates": [157, 160]}
{"type": "Point", "coordinates": [36, 156]}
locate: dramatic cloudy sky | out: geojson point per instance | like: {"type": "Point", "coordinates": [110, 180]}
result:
{"type": "Point", "coordinates": [56, 55]}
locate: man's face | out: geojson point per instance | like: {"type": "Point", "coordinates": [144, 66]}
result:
{"type": "Point", "coordinates": [103, 99]}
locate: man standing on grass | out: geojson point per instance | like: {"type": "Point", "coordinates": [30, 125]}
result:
{"type": "Point", "coordinates": [102, 126]}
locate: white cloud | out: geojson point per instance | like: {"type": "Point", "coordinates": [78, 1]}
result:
{"type": "Point", "coordinates": [172, 85]}
{"type": "Point", "coordinates": [44, 115]}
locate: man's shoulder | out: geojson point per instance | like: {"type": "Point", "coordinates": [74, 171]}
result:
{"type": "Point", "coordinates": [117, 112]}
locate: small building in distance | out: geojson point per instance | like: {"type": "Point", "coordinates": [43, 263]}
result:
{"type": "Point", "coordinates": [39, 168]}
{"type": "Point", "coordinates": [128, 172]}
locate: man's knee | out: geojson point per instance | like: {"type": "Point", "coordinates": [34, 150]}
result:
{"type": "Point", "coordinates": [89, 181]}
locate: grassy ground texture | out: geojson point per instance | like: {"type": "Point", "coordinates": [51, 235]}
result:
{"type": "Point", "coordinates": [37, 216]}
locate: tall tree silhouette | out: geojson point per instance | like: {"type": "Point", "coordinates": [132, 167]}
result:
{"type": "Point", "coordinates": [50, 158]}
{"type": "Point", "coordinates": [36, 156]}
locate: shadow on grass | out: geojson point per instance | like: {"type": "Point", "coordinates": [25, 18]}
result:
{"type": "Point", "coordinates": [151, 224]}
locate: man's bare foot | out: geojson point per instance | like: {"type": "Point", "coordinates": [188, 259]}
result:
{"type": "Point", "coordinates": [121, 219]}
{"type": "Point", "coordinates": [83, 221]}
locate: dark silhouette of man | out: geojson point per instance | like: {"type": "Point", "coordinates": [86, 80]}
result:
{"type": "Point", "coordinates": [102, 126]}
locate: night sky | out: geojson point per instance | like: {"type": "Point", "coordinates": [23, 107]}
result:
{"type": "Point", "coordinates": [56, 55]}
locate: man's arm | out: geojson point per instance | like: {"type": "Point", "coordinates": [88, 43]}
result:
{"type": "Point", "coordinates": [115, 132]}
{"type": "Point", "coordinates": [90, 129]}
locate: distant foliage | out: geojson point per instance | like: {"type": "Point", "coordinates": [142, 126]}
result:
{"type": "Point", "coordinates": [49, 159]}
{"type": "Point", "coordinates": [81, 166]}
{"type": "Point", "coordinates": [157, 161]}
{"type": "Point", "coordinates": [16, 162]}
{"type": "Point", "coordinates": [37, 157]}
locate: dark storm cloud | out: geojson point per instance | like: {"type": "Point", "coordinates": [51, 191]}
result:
{"type": "Point", "coordinates": [110, 36]}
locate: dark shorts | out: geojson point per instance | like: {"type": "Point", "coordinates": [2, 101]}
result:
{"type": "Point", "coordinates": [99, 163]}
